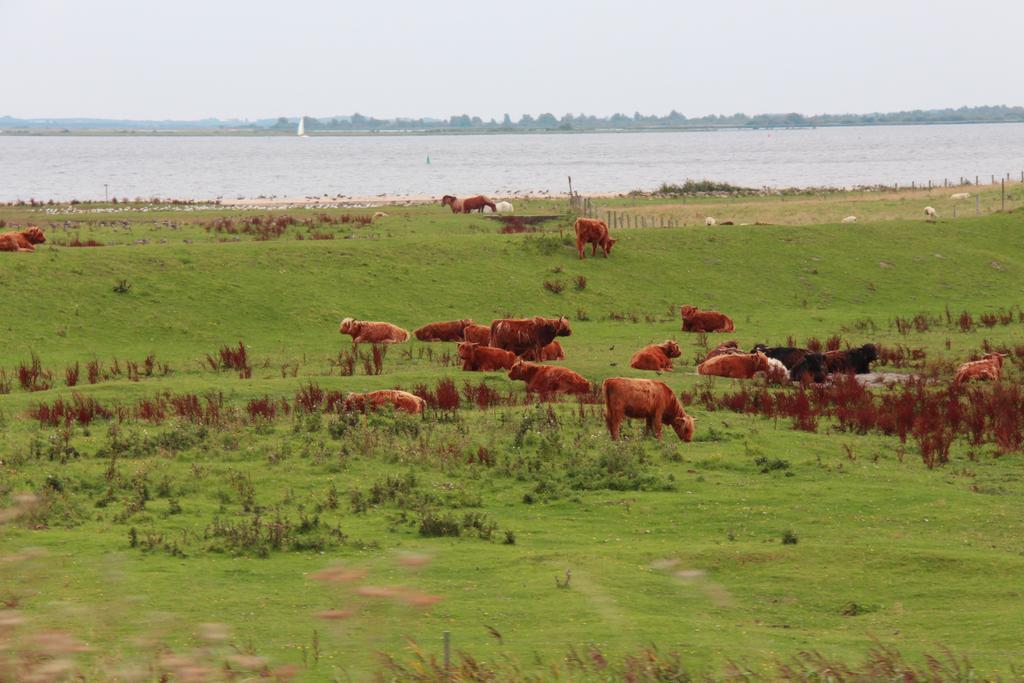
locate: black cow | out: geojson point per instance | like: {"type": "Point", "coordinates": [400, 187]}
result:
{"type": "Point", "coordinates": [857, 360]}
{"type": "Point", "coordinates": [788, 355]}
{"type": "Point", "coordinates": [811, 367]}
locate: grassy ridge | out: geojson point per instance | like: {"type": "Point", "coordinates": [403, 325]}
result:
{"type": "Point", "coordinates": [887, 549]}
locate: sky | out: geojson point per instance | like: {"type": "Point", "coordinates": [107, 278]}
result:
{"type": "Point", "coordinates": [188, 59]}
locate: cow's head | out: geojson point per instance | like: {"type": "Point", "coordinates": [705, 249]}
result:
{"type": "Point", "coordinates": [995, 358]}
{"type": "Point", "coordinates": [562, 328]}
{"type": "Point", "coordinates": [34, 235]}
{"type": "Point", "coordinates": [463, 324]}
{"type": "Point", "coordinates": [757, 348]}
{"type": "Point", "coordinates": [684, 427]}
{"type": "Point", "coordinates": [611, 243]}
{"type": "Point", "coordinates": [671, 349]}
{"type": "Point", "coordinates": [348, 326]}
{"type": "Point", "coordinates": [519, 370]}
{"type": "Point", "coordinates": [467, 350]}
{"type": "Point", "coordinates": [687, 310]}
{"type": "Point", "coordinates": [870, 352]}
{"type": "Point", "coordinates": [447, 200]}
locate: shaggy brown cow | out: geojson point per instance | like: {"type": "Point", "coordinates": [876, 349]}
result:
{"type": "Point", "coordinates": [365, 332]}
{"type": "Point", "coordinates": [735, 365]}
{"type": "Point", "coordinates": [696, 320]}
{"type": "Point", "coordinates": [724, 349]}
{"type": "Point", "coordinates": [647, 399]}
{"type": "Point", "coordinates": [24, 240]}
{"type": "Point", "coordinates": [399, 400]}
{"type": "Point", "coordinates": [469, 204]}
{"type": "Point", "coordinates": [595, 233]}
{"type": "Point", "coordinates": [655, 356]}
{"type": "Point", "coordinates": [522, 335]}
{"type": "Point", "coordinates": [990, 367]}
{"type": "Point", "coordinates": [552, 351]}
{"type": "Point", "coordinates": [476, 358]}
{"type": "Point", "coordinates": [549, 379]}
{"type": "Point", "coordinates": [451, 330]}
{"type": "Point", "coordinates": [480, 334]}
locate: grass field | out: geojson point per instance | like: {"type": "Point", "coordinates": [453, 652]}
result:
{"type": "Point", "coordinates": [145, 526]}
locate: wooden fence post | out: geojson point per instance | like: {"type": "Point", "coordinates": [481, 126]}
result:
{"type": "Point", "coordinates": [1002, 194]}
{"type": "Point", "coordinates": [977, 204]}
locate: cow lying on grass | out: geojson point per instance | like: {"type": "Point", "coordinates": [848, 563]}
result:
{"type": "Point", "coordinates": [646, 399]}
{"type": "Point", "coordinates": [520, 335]}
{"type": "Point", "coordinates": [990, 367]}
{"type": "Point", "coordinates": [365, 332]}
{"type": "Point", "coordinates": [696, 320]}
{"type": "Point", "coordinates": [393, 398]}
{"type": "Point", "coordinates": [724, 349]}
{"type": "Point", "coordinates": [552, 351]}
{"type": "Point", "coordinates": [595, 233]}
{"type": "Point", "coordinates": [803, 364]}
{"type": "Point", "coordinates": [549, 379]}
{"type": "Point", "coordinates": [480, 334]}
{"type": "Point", "coordinates": [24, 240]}
{"type": "Point", "coordinates": [858, 361]}
{"type": "Point", "coordinates": [451, 330]}
{"type": "Point", "coordinates": [735, 365]}
{"type": "Point", "coordinates": [476, 358]}
{"type": "Point", "coordinates": [656, 356]}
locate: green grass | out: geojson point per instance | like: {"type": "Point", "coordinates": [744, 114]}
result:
{"type": "Point", "coordinates": [927, 557]}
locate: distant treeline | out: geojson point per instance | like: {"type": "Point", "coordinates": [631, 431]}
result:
{"type": "Point", "coordinates": [638, 121]}
{"type": "Point", "coordinates": [542, 122]}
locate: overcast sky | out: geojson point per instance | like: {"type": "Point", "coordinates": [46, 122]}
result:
{"type": "Point", "coordinates": [186, 59]}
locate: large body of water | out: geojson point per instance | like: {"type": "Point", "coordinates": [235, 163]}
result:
{"type": "Point", "coordinates": [67, 167]}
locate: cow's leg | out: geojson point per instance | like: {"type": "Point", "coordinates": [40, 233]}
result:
{"type": "Point", "coordinates": [614, 422]}
{"type": "Point", "coordinates": [657, 423]}
{"type": "Point", "coordinates": [593, 248]}
{"type": "Point", "coordinates": [579, 247]}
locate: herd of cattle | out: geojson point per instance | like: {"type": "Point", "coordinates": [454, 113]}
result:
{"type": "Point", "coordinates": [510, 344]}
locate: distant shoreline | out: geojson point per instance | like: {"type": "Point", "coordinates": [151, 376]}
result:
{"type": "Point", "coordinates": [246, 132]}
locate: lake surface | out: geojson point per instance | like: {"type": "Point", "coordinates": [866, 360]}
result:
{"type": "Point", "coordinates": [66, 167]}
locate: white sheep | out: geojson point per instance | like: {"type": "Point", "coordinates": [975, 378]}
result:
{"type": "Point", "coordinates": [930, 213]}
{"type": "Point", "coordinates": [960, 195]}
{"type": "Point", "coordinates": [850, 219]}
{"type": "Point", "coordinates": [504, 207]}
{"type": "Point", "coordinates": [709, 221]}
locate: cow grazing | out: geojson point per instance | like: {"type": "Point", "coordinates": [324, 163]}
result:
{"type": "Point", "coordinates": [451, 330]}
{"type": "Point", "coordinates": [480, 334]}
{"type": "Point", "coordinates": [552, 351]}
{"type": "Point", "coordinates": [595, 233]}
{"type": "Point", "coordinates": [525, 334]}
{"type": "Point", "coordinates": [858, 361]}
{"type": "Point", "coordinates": [811, 368]}
{"type": "Point", "coordinates": [724, 349]}
{"type": "Point", "coordinates": [24, 240]}
{"type": "Point", "coordinates": [375, 400]}
{"type": "Point", "coordinates": [735, 365]}
{"type": "Point", "coordinates": [366, 332]}
{"type": "Point", "coordinates": [476, 358]}
{"type": "Point", "coordinates": [647, 399]}
{"type": "Point", "coordinates": [548, 379]}
{"type": "Point", "coordinates": [990, 367]}
{"type": "Point", "coordinates": [696, 320]}
{"type": "Point", "coordinates": [656, 356]}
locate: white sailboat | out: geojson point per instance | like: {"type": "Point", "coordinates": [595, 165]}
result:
{"type": "Point", "coordinates": [302, 127]}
